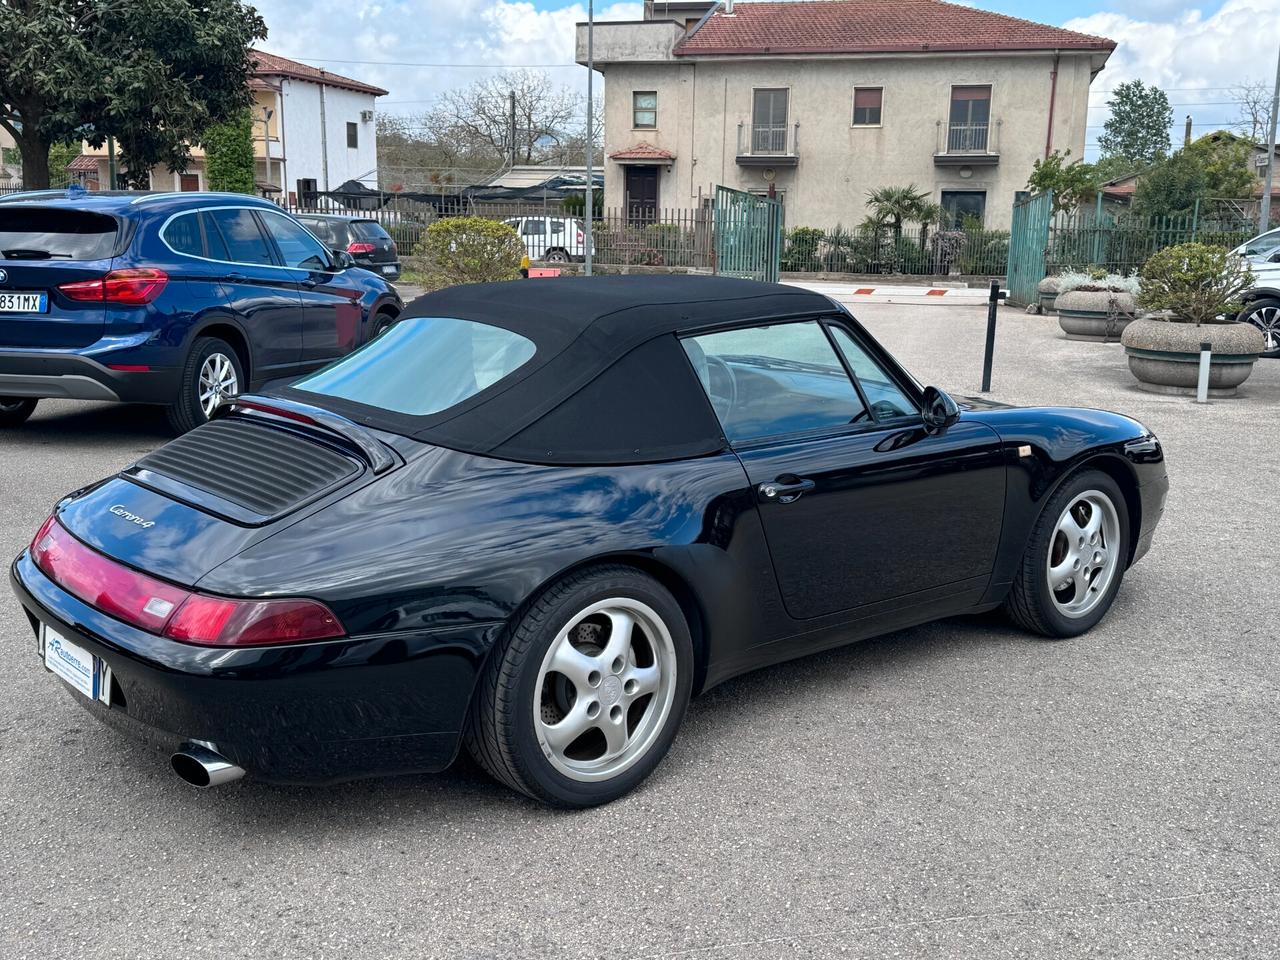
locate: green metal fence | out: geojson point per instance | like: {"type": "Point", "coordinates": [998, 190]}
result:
{"type": "Point", "coordinates": [1122, 243]}
{"type": "Point", "coordinates": [748, 235]}
{"type": "Point", "coordinates": [915, 250]}
{"type": "Point", "coordinates": [1028, 246]}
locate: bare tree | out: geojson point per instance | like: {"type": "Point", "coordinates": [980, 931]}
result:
{"type": "Point", "coordinates": [1253, 108]}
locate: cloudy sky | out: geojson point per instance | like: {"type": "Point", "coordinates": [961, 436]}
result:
{"type": "Point", "coordinates": [416, 48]}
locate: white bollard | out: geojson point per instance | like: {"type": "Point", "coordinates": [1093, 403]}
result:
{"type": "Point", "coordinates": [1202, 385]}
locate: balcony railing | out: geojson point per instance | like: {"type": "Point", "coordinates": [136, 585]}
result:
{"type": "Point", "coordinates": [767, 144]}
{"type": "Point", "coordinates": [967, 143]}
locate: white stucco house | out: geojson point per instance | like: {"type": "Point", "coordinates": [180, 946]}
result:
{"type": "Point", "coordinates": [821, 101]}
{"type": "Point", "coordinates": [313, 130]}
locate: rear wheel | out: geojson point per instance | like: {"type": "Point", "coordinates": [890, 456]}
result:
{"type": "Point", "coordinates": [1075, 559]}
{"type": "Point", "coordinates": [211, 374]}
{"type": "Point", "coordinates": [15, 410]}
{"type": "Point", "coordinates": [1265, 315]}
{"type": "Point", "coordinates": [582, 698]}
{"type": "Point", "coordinates": [557, 256]}
{"type": "Point", "coordinates": [382, 323]}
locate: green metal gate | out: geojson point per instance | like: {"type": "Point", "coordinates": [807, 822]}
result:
{"type": "Point", "coordinates": [1028, 247]}
{"type": "Point", "coordinates": [748, 232]}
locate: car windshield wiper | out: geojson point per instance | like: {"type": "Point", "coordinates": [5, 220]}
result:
{"type": "Point", "coordinates": [20, 253]}
{"type": "Point", "coordinates": [374, 452]}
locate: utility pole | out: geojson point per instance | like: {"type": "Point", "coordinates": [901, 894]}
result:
{"type": "Point", "coordinates": [1264, 217]}
{"type": "Point", "coordinates": [590, 205]}
{"type": "Point", "coordinates": [111, 162]}
{"type": "Point", "coordinates": [511, 105]}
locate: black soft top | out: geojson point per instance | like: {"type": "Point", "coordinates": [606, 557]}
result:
{"type": "Point", "coordinates": [609, 381]}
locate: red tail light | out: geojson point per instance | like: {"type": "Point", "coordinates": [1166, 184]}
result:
{"type": "Point", "coordinates": [132, 288]}
{"type": "Point", "coordinates": [358, 246]}
{"type": "Point", "coordinates": [170, 611]}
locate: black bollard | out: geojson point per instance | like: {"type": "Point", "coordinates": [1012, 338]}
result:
{"type": "Point", "coordinates": [993, 301]}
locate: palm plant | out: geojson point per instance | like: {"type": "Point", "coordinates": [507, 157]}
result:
{"type": "Point", "coordinates": [897, 205]}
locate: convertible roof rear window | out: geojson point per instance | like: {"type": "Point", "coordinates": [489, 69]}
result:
{"type": "Point", "coordinates": [423, 365]}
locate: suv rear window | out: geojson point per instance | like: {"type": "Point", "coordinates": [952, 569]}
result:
{"type": "Point", "coordinates": [54, 233]}
{"type": "Point", "coordinates": [369, 230]}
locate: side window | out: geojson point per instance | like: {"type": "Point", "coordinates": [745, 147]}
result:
{"type": "Point", "coordinates": [557, 226]}
{"type": "Point", "coordinates": [244, 241]}
{"type": "Point", "coordinates": [535, 228]}
{"type": "Point", "coordinates": [183, 235]}
{"type": "Point", "coordinates": [887, 401]}
{"type": "Point", "coordinates": [775, 380]}
{"type": "Point", "coordinates": [321, 228]}
{"type": "Point", "coordinates": [298, 248]}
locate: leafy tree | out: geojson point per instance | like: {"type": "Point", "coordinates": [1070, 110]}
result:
{"type": "Point", "coordinates": [1073, 182]}
{"type": "Point", "coordinates": [1215, 166]}
{"type": "Point", "coordinates": [1226, 161]}
{"type": "Point", "coordinates": [1195, 282]}
{"type": "Point", "coordinates": [228, 150]}
{"type": "Point", "coordinates": [895, 206]}
{"type": "Point", "coordinates": [467, 250]}
{"type": "Point", "coordinates": [151, 73]}
{"type": "Point", "coordinates": [1138, 129]}
{"type": "Point", "coordinates": [60, 155]}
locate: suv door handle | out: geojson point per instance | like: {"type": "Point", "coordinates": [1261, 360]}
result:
{"type": "Point", "coordinates": [309, 283]}
{"type": "Point", "coordinates": [785, 489]}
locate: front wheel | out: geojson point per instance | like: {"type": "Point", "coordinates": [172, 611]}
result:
{"type": "Point", "coordinates": [1075, 558]}
{"type": "Point", "coordinates": [212, 373]}
{"type": "Point", "coordinates": [557, 256]}
{"type": "Point", "coordinates": [15, 410]}
{"type": "Point", "coordinates": [582, 698]}
{"type": "Point", "coordinates": [1265, 315]}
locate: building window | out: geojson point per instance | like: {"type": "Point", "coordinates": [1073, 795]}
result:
{"type": "Point", "coordinates": [964, 207]}
{"type": "Point", "coordinates": [644, 109]}
{"type": "Point", "coordinates": [353, 136]}
{"type": "Point", "coordinates": [308, 192]}
{"type": "Point", "coordinates": [866, 106]}
{"type": "Point", "coordinates": [970, 119]}
{"type": "Point", "coordinates": [769, 121]}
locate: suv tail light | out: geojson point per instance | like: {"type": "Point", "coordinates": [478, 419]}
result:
{"type": "Point", "coordinates": [169, 611]}
{"type": "Point", "coordinates": [132, 288]}
{"type": "Point", "coordinates": [360, 246]}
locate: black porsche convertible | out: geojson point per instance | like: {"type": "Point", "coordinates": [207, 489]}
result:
{"type": "Point", "coordinates": [534, 518]}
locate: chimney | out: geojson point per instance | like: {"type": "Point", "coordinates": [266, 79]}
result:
{"type": "Point", "coordinates": [728, 8]}
{"type": "Point", "coordinates": [1186, 136]}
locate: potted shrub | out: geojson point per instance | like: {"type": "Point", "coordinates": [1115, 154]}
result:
{"type": "Point", "coordinates": [1095, 305]}
{"type": "Point", "coordinates": [1194, 292]}
{"type": "Point", "coordinates": [1048, 290]}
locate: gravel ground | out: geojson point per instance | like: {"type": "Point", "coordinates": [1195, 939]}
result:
{"type": "Point", "coordinates": [956, 790]}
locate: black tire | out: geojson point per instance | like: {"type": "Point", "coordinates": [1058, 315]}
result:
{"type": "Point", "coordinates": [15, 410]}
{"type": "Point", "coordinates": [557, 256]}
{"type": "Point", "coordinates": [500, 733]}
{"type": "Point", "coordinates": [1264, 313]}
{"type": "Point", "coordinates": [187, 413]}
{"type": "Point", "coordinates": [382, 322]}
{"type": "Point", "coordinates": [1030, 603]}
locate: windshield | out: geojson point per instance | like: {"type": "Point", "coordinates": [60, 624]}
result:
{"type": "Point", "coordinates": [423, 365]}
{"type": "Point", "coordinates": [54, 233]}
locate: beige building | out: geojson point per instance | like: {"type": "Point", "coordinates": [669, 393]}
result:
{"type": "Point", "coordinates": [822, 101]}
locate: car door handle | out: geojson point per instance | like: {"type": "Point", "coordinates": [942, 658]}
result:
{"type": "Point", "coordinates": [309, 283]}
{"type": "Point", "coordinates": [785, 489]}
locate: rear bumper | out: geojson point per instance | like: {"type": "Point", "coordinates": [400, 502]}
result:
{"type": "Point", "coordinates": [313, 713]}
{"type": "Point", "coordinates": [387, 271]}
{"type": "Point", "coordinates": [69, 376]}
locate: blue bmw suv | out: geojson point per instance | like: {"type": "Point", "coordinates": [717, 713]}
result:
{"type": "Point", "coordinates": [174, 299]}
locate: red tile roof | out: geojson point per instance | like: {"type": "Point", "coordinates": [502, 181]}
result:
{"type": "Point", "coordinates": [642, 151]}
{"type": "Point", "coordinates": [83, 164]}
{"type": "Point", "coordinates": [271, 65]}
{"type": "Point", "coordinates": [873, 26]}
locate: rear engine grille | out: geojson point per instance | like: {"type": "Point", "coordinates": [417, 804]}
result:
{"type": "Point", "coordinates": [259, 468]}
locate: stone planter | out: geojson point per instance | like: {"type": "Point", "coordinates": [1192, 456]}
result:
{"type": "Point", "coordinates": [1095, 314]}
{"type": "Point", "coordinates": [1165, 356]}
{"type": "Point", "coordinates": [1047, 290]}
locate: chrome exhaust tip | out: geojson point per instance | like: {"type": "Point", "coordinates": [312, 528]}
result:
{"type": "Point", "coordinates": [202, 767]}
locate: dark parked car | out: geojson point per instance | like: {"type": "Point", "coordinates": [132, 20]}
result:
{"type": "Point", "coordinates": [368, 243]}
{"type": "Point", "coordinates": [175, 299]}
{"type": "Point", "coordinates": [535, 517]}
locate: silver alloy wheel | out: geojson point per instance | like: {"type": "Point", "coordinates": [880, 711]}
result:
{"type": "Point", "coordinates": [1084, 553]}
{"type": "Point", "coordinates": [1267, 319]}
{"type": "Point", "coordinates": [217, 380]}
{"type": "Point", "coordinates": [605, 689]}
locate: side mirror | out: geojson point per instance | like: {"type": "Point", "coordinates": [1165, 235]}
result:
{"type": "Point", "coordinates": [344, 259]}
{"type": "Point", "coordinates": [940, 411]}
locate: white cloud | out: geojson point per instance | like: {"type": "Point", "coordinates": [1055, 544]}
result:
{"type": "Point", "coordinates": [444, 32]}
{"type": "Point", "coordinates": [1196, 57]}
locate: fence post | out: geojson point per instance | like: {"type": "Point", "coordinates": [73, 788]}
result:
{"type": "Point", "coordinates": [1195, 220]}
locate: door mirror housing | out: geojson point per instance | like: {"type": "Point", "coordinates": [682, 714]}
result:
{"type": "Point", "coordinates": [940, 411]}
{"type": "Point", "coordinates": [343, 259]}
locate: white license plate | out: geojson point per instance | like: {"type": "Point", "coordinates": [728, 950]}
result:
{"type": "Point", "coordinates": [76, 665]}
{"type": "Point", "coordinates": [23, 302]}
{"type": "Point", "coordinates": [388, 269]}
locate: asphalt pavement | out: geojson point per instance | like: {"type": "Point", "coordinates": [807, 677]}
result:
{"type": "Point", "coordinates": [955, 790]}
